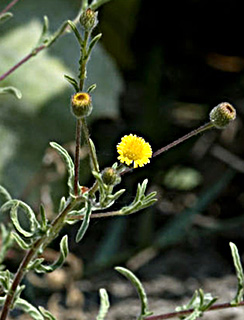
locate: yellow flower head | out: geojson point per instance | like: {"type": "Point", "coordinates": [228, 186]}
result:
{"type": "Point", "coordinates": [134, 149]}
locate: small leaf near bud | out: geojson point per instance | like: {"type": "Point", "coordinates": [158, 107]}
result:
{"type": "Point", "coordinates": [81, 104]}
{"type": "Point", "coordinates": [222, 115]}
{"type": "Point", "coordinates": [88, 19]}
{"type": "Point", "coordinates": [110, 176]}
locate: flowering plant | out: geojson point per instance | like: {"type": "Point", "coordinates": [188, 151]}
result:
{"type": "Point", "coordinates": [82, 202]}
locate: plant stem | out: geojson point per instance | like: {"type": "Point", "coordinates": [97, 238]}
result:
{"type": "Point", "coordinates": [90, 149]}
{"type": "Point", "coordinates": [77, 157]}
{"type": "Point", "coordinates": [60, 32]}
{"type": "Point", "coordinates": [206, 126]}
{"type": "Point", "coordinates": [54, 229]}
{"type": "Point", "coordinates": [22, 61]}
{"type": "Point", "coordinates": [9, 6]}
{"type": "Point", "coordinates": [177, 314]}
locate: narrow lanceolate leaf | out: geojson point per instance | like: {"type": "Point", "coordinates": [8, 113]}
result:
{"type": "Point", "coordinates": [140, 290]}
{"type": "Point", "coordinates": [104, 304]}
{"type": "Point", "coordinates": [239, 273]}
{"type": "Point", "coordinates": [5, 17]}
{"type": "Point", "coordinates": [11, 90]}
{"type": "Point", "coordinates": [44, 221]}
{"type": "Point", "coordinates": [69, 164]}
{"type": "Point", "coordinates": [40, 268]}
{"type": "Point", "coordinates": [85, 223]}
{"type": "Point", "coordinates": [14, 206]}
{"type": "Point", "coordinates": [47, 315]}
{"type": "Point", "coordinates": [6, 241]}
{"type": "Point", "coordinates": [23, 245]}
{"type": "Point", "coordinates": [73, 82]}
{"type": "Point", "coordinates": [28, 308]}
{"type": "Point", "coordinates": [4, 195]}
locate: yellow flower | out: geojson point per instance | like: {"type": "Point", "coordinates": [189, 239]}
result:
{"type": "Point", "coordinates": [134, 149]}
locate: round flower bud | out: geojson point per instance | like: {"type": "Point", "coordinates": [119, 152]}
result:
{"type": "Point", "coordinates": [81, 104]}
{"type": "Point", "coordinates": [88, 19]}
{"type": "Point", "coordinates": [222, 115]}
{"type": "Point", "coordinates": [110, 177]}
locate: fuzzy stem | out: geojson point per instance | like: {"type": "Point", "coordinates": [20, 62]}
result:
{"type": "Point", "coordinates": [55, 227]}
{"type": "Point", "coordinates": [90, 149]}
{"type": "Point", "coordinates": [9, 6]}
{"type": "Point", "coordinates": [177, 314]}
{"type": "Point", "coordinates": [206, 126]}
{"type": "Point", "coordinates": [77, 157]}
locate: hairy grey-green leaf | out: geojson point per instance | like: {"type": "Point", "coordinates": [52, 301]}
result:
{"type": "Point", "coordinates": [11, 90]}
{"type": "Point", "coordinates": [239, 273]}
{"type": "Point", "coordinates": [85, 223]}
{"type": "Point", "coordinates": [68, 162]}
{"type": "Point", "coordinates": [104, 304]}
{"type": "Point", "coordinates": [140, 290]}
{"type": "Point", "coordinates": [40, 268]}
{"type": "Point", "coordinates": [28, 308]}
{"type": "Point", "coordinates": [4, 195]}
{"type": "Point", "coordinates": [17, 238]}
{"type": "Point", "coordinates": [14, 206]}
{"type": "Point", "coordinates": [47, 314]}
{"type": "Point", "coordinates": [5, 17]}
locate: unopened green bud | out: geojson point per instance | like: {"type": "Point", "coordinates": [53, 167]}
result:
{"type": "Point", "coordinates": [81, 104]}
{"type": "Point", "coordinates": [88, 19]}
{"type": "Point", "coordinates": [222, 115]}
{"type": "Point", "coordinates": [110, 177]}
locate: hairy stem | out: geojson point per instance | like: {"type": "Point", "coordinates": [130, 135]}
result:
{"type": "Point", "coordinates": [90, 149]}
{"type": "Point", "coordinates": [177, 314]}
{"type": "Point", "coordinates": [9, 6]}
{"type": "Point", "coordinates": [77, 157]}
{"type": "Point", "coordinates": [55, 227]}
{"type": "Point", "coordinates": [206, 126]}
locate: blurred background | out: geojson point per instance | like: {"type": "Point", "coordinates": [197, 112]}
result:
{"type": "Point", "coordinates": [159, 71]}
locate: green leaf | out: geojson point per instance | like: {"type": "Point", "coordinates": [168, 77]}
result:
{"type": "Point", "coordinates": [64, 250]}
{"type": "Point", "coordinates": [76, 32]}
{"type": "Point", "coordinates": [43, 77]}
{"type": "Point", "coordinates": [5, 17]}
{"type": "Point", "coordinates": [93, 42]}
{"type": "Point", "coordinates": [5, 278]}
{"type": "Point", "coordinates": [14, 205]}
{"type": "Point", "coordinates": [24, 245]}
{"type": "Point", "coordinates": [4, 195]}
{"type": "Point", "coordinates": [6, 241]}
{"type": "Point", "coordinates": [29, 309]}
{"type": "Point", "coordinates": [85, 223]}
{"type": "Point", "coordinates": [69, 164]}
{"type": "Point", "coordinates": [47, 315]}
{"type": "Point", "coordinates": [239, 273]}
{"type": "Point", "coordinates": [44, 221]}
{"type": "Point", "coordinates": [11, 90]}
{"type": "Point", "coordinates": [104, 304]}
{"type": "Point", "coordinates": [73, 82]}
{"type": "Point", "coordinates": [140, 291]}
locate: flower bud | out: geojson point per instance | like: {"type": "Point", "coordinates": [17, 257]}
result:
{"type": "Point", "coordinates": [81, 104]}
{"type": "Point", "coordinates": [110, 177]}
{"type": "Point", "coordinates": [88, 19]}
{"type": "Point", "coordinates": [222, 115]}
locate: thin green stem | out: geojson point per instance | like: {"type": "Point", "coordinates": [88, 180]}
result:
{"type": "Point", "coordinates": [206, 126]}
{"type": "Point", "coordinates": [77, 157]}
{"type": "Point", "coordinates": [83, 60]}
{"type": "Point", "coordinates": [90, 149]}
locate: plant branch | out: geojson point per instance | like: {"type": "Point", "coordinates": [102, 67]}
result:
{"type": "Point", "coordinates": [206, 126]}
{"type": "Point", "coordinates": [77, 156]}
{"type": "Point", "coordinates": [64, 28]}
{"type": "Point", "coordinates": [9, 6]}
{"type": "Point", "coordinates": [55, 227]}
{"type": "Point", "coordinates": [177, 314]}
